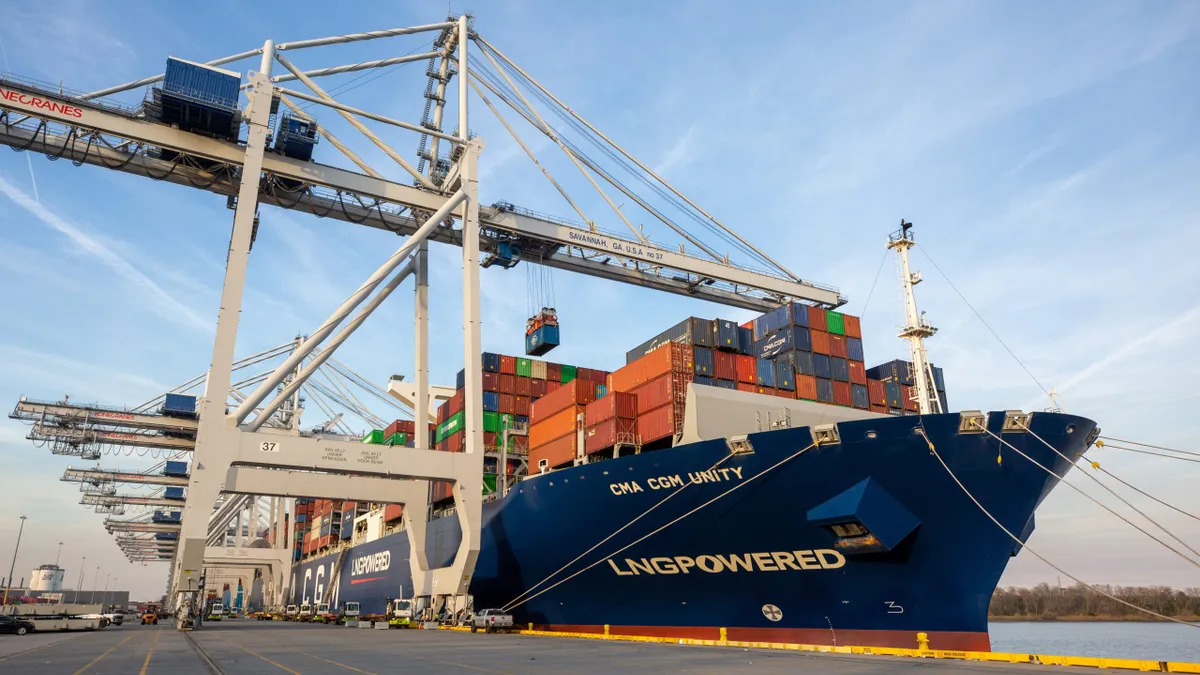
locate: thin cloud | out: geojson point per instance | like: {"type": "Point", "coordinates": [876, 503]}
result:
{"type": "Point", "coordinates": [680, 154]}
{"type": "Point", "coordinates": [1032, 158]}
{"type": "Point", "coordinates": [173, 309]}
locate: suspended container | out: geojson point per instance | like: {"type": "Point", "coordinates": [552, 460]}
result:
{"type": "Point", "coordinates": [541, 333]}
{"type": "Point", "coordinates": [296, 137]}
{"type": "Point", "coordinates": [198, 98]}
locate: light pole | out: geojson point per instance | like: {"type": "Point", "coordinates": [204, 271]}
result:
{"type": "Point", "coordinates": [59, 554]}
{"type": "Point", "coordinates": [104, 598]}
{"type": "Point", "coordinates": [95, 583]}
{"type": "Point", "coordinates": [14, 561]}
{"type": "Point", "coordinates": [79, 586]}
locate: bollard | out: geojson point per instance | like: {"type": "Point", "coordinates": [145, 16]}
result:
{"type": "Point", "coordinates": [530, 625]}
{"type": "Point", "coordinates": [605, 631]}
{"type": "Point", "coordinates": [724, 636]}
{"type": "Point", "coordinates": [923, 642]}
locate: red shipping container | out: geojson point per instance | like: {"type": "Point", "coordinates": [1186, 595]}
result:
{"type": "Point", "coordinates": [620, 404]}
{"type": "Point", "coordinates": [508, 404]}
{"type": "Point", "coordinates": [575, 392]}
{"type": "Point", "coordinates": [491, 381]}
{"type": "Point", "coordinates": [440, 446]}
{"type": "Point", "coordinates": [519, 443]}
{"type": "Point", "coordinates": [557, 453]}
{"type": "Point", "coordinates": [785, 393]}
{"type": "Point", "coordinates": [522, 406]}
{"type": "Point", "coordinates": [853, 326]}
{"type": "Point", "coordinates": [508, 384]}
{"type": "Point", "coordinates": [749, 324]}
{"type": "Point", "coordinates": [670, 388]}
{"type": "Point", "coordinates": [607, 433]}
{"type": "Point", "coordinates": [455, 443]}
{"type": "Point", "coordinates": [393, 512]}
{"type": "Point", "coordinates": [552, 385]}
{"type": "Point", "coordinates": [523, 386]}
{"type": "Point", "coordinates": [858, 372]}
{"type": "Point", "coordinates": [671, 357]}
{"type": "Point", "coordinates": [537, 388]}
{"type": "Point", "coordinates": [881, 409]}
{"type": "Point", "coordinates": [348, 506]}
{"type": "Point", "coordinates": [747, 368]}
{"type": "Point", "coordinates": [399, 426]}
{"type": "Point", "coordinates": [554, 427]}
{"type": "Point", "coordinates": [877, 393]}
{"type": "Point", "coordinates": [662, 422]}
{"type": "Point", "coordinates": [440, 489]}
{"type": "Point", "coordinates": [725, 365]}
{"type": "Point", "coordinates": [837, 346]}
{"type": "Point", "coordinates": [443, 412]}
{"type": "Point", "coordinates": [816, 319]}
{"type": "Point", "coordinates": [820, 342]}
{"type": "Point", "coordinates": [491, 440]}
{"type": "Point", "coordinates": [508, 365]}
{"type": "Point", "coordinates": [769, 391]}
{"type": "Point", "coordinates": [841, 393]}
{"type": "Point", "coordinates": [747, 386]}
{"type": "Point", "coordinates": [554, 372]}
{"type": "Point", "coordinates": [906, 394]}
{"type": "Point", "coordinates": [585, 374]}
{"type": "Point", "coordinates": [806, 387]}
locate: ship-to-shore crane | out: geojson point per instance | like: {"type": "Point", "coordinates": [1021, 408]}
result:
{"type": "Point", "coordinates": [240, 450]}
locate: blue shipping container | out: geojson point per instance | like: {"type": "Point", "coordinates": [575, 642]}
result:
{"type": "Point", "coordinates": [491, 362]}
{"type": "Point", "coordinates": [460, 380]}
{"type": "Point", "coordinates": [702, 360]}
{"type": "Point", "coordinates": [175, 469]}
{"type": "Point", "coordinates": [166, 536]}
{"type": "Point", "coordinates": [803, 363]}
{"type": "Point", "coordinates": [854, 349]}
{"type": "Point", "coordinates": [766, 373]}
{"type": "Point", "coordinates": [727, 384]}
{"type": "Point", "coordinates": [942, 398]}
{"type": "Point", "coordinates": [791, 314]}
{"type": "Point", "coordinates": [601, 391]}
{"type": "Point", "coordinates": [785, 377]}
{"type": "Point", "coordinates": [821, 366]}
{"type": "Point", "coordinates": [704, 380]}
{"type": "Point", "coordinates": [521, 419]}
{"type": "Point", "coordinates": [839, 368]}
{"type": "Point", "coordinates": [690, 331]}
{"type": "Point", "coordinates": [541, 341]}
{"type": "Point", "coordinates": [859, 396]}
{"type": "Point", "coordinates": [173, 493]}
{"type": "Point", "coordinates": [774, 344]}
{"type": "Point", "coordinates": [892, 394]}
{"type": "Point", "coordinates": [939, 381]}
{"type": "Point", "coordinates": [179, 403]}
{"type": "Point", "coordinates": [202, 84]}
{"type": "Point", "coordinates": [892, 371]}
{"type": "Point", "coordinates": [824, 390]}
{"type": "Point", "coordinates": [301, 517]}
{"type": "Point", "coordinates": [725, 335]}
{"type": "Point", "coordinates": [745, 340]}
{"type": "Point", "coordinates": [491, 401]}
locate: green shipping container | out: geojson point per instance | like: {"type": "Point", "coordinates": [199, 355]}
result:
{"type": "Point", "coordinates": [374, 437]}
{"type": "Point", "coordinates": [494, 422]}
{"type": "Point", "coordinates": [489, 483]}
{"type": "Point", "coordinates": [398, 438]}
{"type": "Point", "coordinates": [568, 373]}
{"type": "Point", "coordinates": [451, 426]}
{"type": "Point", "coordinates": [835, 322]}
{"type": "Point", "coordinates": [524, 368]}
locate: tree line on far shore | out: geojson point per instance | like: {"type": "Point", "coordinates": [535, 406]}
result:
{"type": "Point", "coordinates": [1050, 602]}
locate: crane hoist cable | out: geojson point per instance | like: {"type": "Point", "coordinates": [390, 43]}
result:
{"type": "Point", "coordinates": [1025, 546]}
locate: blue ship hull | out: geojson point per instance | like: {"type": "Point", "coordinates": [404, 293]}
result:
{"type": "Point", "coordinates": [753, 545]}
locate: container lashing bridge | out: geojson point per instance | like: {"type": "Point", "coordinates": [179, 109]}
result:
{"type": "Point", "coordinates": [196, 138]}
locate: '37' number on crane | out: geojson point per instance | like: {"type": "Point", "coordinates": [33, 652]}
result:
{"type": "Point", "coordinates": [268, 446]}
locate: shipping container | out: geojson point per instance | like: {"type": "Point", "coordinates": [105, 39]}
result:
{"type": "Point", "coordinates": [498, 422]}
{"type": "Point", "coordinates": [568, 373]}
{"type": "Point", "coordinates": [173, 493]}
{"type": "Point", "coordinates": [672, 357]}
{"type": "Point", "coordinates": [457, 401]}
{"type": "Point", "coordinates": [452, 425]}
{"type": "Point", "coordinates": [745, 340]}
{"type": "Point", "coordinates": [726, 384]}
{"type": "Point", "coordinates": [784, 393]}
{"type": "Point", "coordinates": [373, 437]}
{"type": "Point", "coordinates": [775, 344]}
{"type": "Point", "coordinates": [746, 368]}
{"type": "Point", "coordinates": [460, 380]}
{"type": "Point", "coordinates": [398, 439]}
{"type": "Point", "coordinates": [690, 331]}
{"type": "Point", "coordinates": [841, 394]}
{"type": "Point", "coordinates": [876, 393]}
{"type": "Point", "coordinates": [806, 387]}
{"type": "Point", "coordinates": [521, 386]}
{"type": "Point", "coordinates": [765, 376]}
{"type": "Point", "coordinates": [203, 84]}
{"type": "Point", "coordinates": [942, 397]}
{"type": "Point", "coordinates": [542, 340]}
{"type": "Point", "coordinates": [820, 342]}
{"type": "Point", "coordinates": [491, 362]}
{"type": "Point", "coordinates": [816, 319]}
{"type": "Point", "coordinates": [747, 386]}
{"type": "Point", "coordinates": [939, 380]}
{"type": "Point", "coordinates": [561, 452]}
{"type": "Point", "coordinates": [725, 335]}
{"type": "Point", "coordinates": [834, 322]}
{"type": "Point", "coordinates": [907, 393]}
{"type": "Point", "coordinates": [456, 443]}
{"type": "Point", "coordinates": [705, 381]}
{"type": "Point", "coordinates": [785, 377]}
{"type": "Point", "coordinates": [662, 422]}
{"type": "Point", "coordinates": [508, 365]}
{"type": "Point", "coordinates": [553, 372]}
{"type": "Point", "coordinates": [537, 369]}
{"type": "Point", "coordinates": [491, 401]}
{"type": "Point", "coordinates": [440, 490]}
{"type": "Point", "coordinates": [507, 404]}
{"type": "Point", "coordinates": [175, 468]}
{"type": "Point", "coordinates": [895, 398]}
{"type": "Point", "coordinates": [179, 405]}
{"type": "Point", "coordinates": [702, 360]}
{"type": "Point", "coordinates": [821, 367]}
{"type": "Point", "coordinates": [400, 426]}
{"type": "Point", "coordinates": [838, 347]}
{"type": "Point", "coordinates": [839, 369]}
{"type": "Point", "coordinates": [393, 512]}
{"type": "Point", "coordinates": [601, 390]}
{"type": "Point", "coordinates": [804, 362]}
{"type": "Point", "coordinates": [790, 314]}
{"type": "Point", "coordinates": [853, 326]}
{"type": "Point", "coordinates": [824, 390]}
{"type": "Point", "coordinates": [608, 433]}
{"type": "Point", "coordinates": [508, 384]}
{"type": "Point", "coordinates": [725, 365]}
{"type": "Point", "coordinates": [858, 397]}
{"type": "Point", "coordinates": [522, 405]}
{"type": "Point", "coordinates": [766, 391]}
{"type": "Point", "coordinates": [621, 405]}
{"type": "Point", "coordinates": [491, 381]}
{"type": "Point", "coordinates": [666, 389]}
{"type": "Point", "coordinates": [537, 388]}
{"type": "Point", "coordinates": [858, 372]}
{"type": "Point", "coordinates": [576, 392]}
{"type": "Point", "coordinates": [524, 367]}
{"type": "Point", "coordinates": [555, 426]}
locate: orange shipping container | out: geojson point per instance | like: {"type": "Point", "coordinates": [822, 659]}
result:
{"type": "Point", "coordinates": [747, 368]}
{"type": "Point", "coordinates": [508, 365]}
{"type": "Point", "coordinates": [554, 427]}
{"type": "Point", "coordinates": [882, 409]}
{"type": "Point", "coordinates": [746, 386]}
{"type": "Point", "coordinates": [816, 319]}
{"type": "Point", "coordinates": [662, 422]}
{"type": "Point", "coordinates": [858, 372]}
{"type": "Point", "coordinates": [555, 454]}
{"type": "Point", "coordinates": [853, 326]}
{"type": "Point", "coordinates": [607, 433]}
{"type": "Point", "coordinates": [877, 393]}
{"type": "Point", "coordinates": [906, 394]}
{"type": "Point", "coordinates": [617, 404]}
{"type": "Point", "coordinates": [820, 341]}
{"type": "Point", "coordinates": [785, 393]}
{"type": "Point", "coordinates": [671, 357]}
{"type": "Point", "coordinates": [393, 512]}
{"type": "Point", "coordinates": [841, 393]}
{"type": "Point", "coordinates": [575, 392]}
{"type": "Point", "coordinates": [837, 346]}
{"type": "Point", "coordinates": [806, 387]}
{"type": "Point", "coordinates": [669, 388]}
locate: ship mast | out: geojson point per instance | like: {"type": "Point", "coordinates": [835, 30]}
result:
{"type": "Point", "coordinates": [916, 329]}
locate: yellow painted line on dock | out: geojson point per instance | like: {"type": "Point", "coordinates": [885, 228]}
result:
{"type": "Point", "coordinates": [106, 653]}
{"type": "Point", "coordinates": [338, 663]}
{"type": "Point", "coordinates": [1001, 657]}
{"type": "Point", "coordinates": [27, 651]}
{"type": "Point", "coordinates": [146, 663]}
{"type": "Point", "coordinates": [254, 653]}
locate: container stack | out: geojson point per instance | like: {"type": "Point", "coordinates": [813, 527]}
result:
{"type": "Point", "coordinates": [899, 384]}
{"type": "Point", "coordinates": [553, 441]}
{"type": "Point", "coordinates": [659, 380]}
{"type": "Point", "coordinates": [609, 421]}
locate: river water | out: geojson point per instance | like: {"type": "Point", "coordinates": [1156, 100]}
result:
{"type": "Point", "coordinates": [1110, 639]}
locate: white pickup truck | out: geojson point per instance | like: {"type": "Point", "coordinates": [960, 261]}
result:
{"type": "Point", "coordinates": [492, 620]}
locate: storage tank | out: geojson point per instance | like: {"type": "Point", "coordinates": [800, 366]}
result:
{"type": "Point", "coordinates": [46, 578]}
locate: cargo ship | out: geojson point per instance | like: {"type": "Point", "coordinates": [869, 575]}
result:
{"type": "Point", "coordinates": [751, 482]}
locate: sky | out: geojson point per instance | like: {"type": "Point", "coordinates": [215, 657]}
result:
{"type": "Point", "coordinates": [1048, 154]}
